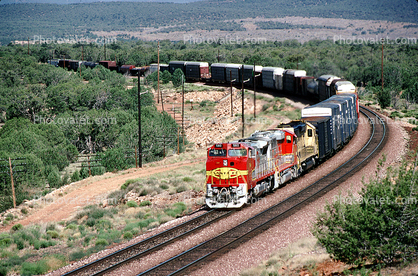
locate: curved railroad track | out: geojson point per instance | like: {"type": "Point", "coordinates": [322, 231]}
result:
{"type": "Point", "coordinates": [121, 257]}
{"type": "Point", "coordinates": [233, 238]}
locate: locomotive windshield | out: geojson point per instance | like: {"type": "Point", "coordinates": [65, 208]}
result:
{"type": "Point", "coordinates": [237, 152]}
{"type": "Point", "coordinates": [217, 152]}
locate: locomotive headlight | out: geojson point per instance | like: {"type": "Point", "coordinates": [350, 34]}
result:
{"type": "Point", "coordinates": [225, 163]}
{"type": "Point", "coordinates": [209, 190]}
{"type": "Point", "coordinates": [240, 190]}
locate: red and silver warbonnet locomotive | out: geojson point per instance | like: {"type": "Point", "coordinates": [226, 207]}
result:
{"type": "Point", "coordinates": [250, 167]}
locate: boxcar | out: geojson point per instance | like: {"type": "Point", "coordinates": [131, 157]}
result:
{"type": "Point", "coordinates": [324, 82]}
{"type": "Point", "coordinates": [331, 111]}
{"type": "Point", "coordinates": [323, 131]}
{"type": "Point", "coordinates": [173, 65]}
{"type": "Point", "coordinates": [290, 79]}
{"type": "Point", "coordinates": [249, 73]}
{"type": "Point", "coordinates": [217, 71]}
{"type": "Point", "coordinates": [268, 77]}
{"type": "Point", "coordinates": [196, 70]}
{"type": "Point", "coordinates": [232, 72]}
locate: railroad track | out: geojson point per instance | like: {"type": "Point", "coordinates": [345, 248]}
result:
{"type": "Point", "coordinates": [233, 238]}
{"type": "Point", "coordinates": [138, 250]}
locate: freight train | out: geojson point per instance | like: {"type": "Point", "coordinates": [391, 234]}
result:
{"type": "Point", "coordinates": [241, 170]}
{"type": "Point", "coordinates": [289, 81]}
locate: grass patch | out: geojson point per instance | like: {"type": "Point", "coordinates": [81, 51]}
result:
{"type": "Point", "coordinates": [145, 203]}
{"type": "Point", "coordinates": [132, 203]}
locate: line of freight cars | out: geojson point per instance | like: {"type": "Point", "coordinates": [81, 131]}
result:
{"type": "Point", "coordinates": [290, 81]}
{"type": "Point", "coordinates": [109, 64]}
{"type": "Point", "coordinates": [239, 171]}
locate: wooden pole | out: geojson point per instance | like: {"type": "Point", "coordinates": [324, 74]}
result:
{"type": "Point", "coordinates": [242, 100]}
{"type": "Point", "coordinates": [182, 109]}
{"type": "Point", "coordinates": [136, 158]}
{"type": "Point", "coordinates": [158, 74]}
{"type": "Point", "coordinates": [232, 105]}
{"type": "Point", "coordinates": [13, 185]}
{"type": "Point", "coordinates": [254, 89]}
{"type": "Point", "coordinates": [178, 140]}
{"type": "Point", "coordinates": [382, 65]}
{"type": "Point", "coordinates": [88, 162]}
{"type": "Point", "coordinates": [139, 123]}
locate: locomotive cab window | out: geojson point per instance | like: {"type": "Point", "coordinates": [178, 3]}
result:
{"type": "Point", "coordinates": [288, 139]}
{"type": "Point", "coordinates": [309, 132]}
{"type": "Point", "coordinates": [237, 152]}
{"type": "Point", "coordinates": [217, 152]}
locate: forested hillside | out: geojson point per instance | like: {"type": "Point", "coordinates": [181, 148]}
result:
{"type": "Point", "coordinates": [20, 21]}
{"type": "Point", "coordinates": [52, 115]}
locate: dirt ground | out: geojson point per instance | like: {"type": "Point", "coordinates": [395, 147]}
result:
{"type": "Point", "coordinates": [64, 203]}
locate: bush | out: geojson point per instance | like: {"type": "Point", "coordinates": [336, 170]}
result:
{"type": "Point", "coordinates": [75, 176]}
{"type": "Point", "coordinates": [384, 98]}
{"type": "Point", "coordinates": [132, 203]}
{"type": "Point", "coordinates": [101, 242]}
{"type": "Point", "coordinates": [54, 179]}
{"type": "Point", "coordinates": [37, 268]}
{"type": "Point", "coordinates": [380, 228]}
{"type": "Point", "coordinates": [145, 203]}
{"type": "Point", "coordinates": [177, 77]}
{"type": "Point", "coordinates": [114, 159]}
{"type": "Point", "coordinates": [128, 235]}
{"type": "Point", "coordinates": [53, 234]}
{"type": "Point", "coordinates": [17, 227]}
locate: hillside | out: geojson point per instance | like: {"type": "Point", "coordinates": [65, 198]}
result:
{"type": "Point", "coordinates": [20, 21]}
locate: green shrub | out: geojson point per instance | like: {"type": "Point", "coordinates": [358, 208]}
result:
{"type": "Point", "coordinates": [17, 227]}
{"type": "Point", "coordinates": [114, 159]}
{"type": "Point", "coordinates": [127, 183]}
{"type": "Point", "coordinates": [132, 203]}
{"type": "Point", "coordinates": [54, 179]}
{"type": "Point", "coordinates": [128, 235]}
{"type": "Point", "coordinates": [177, 209]}
{"type": "Point", "coordinates": [90, 222]}
{"type": "Point", "coordinates": [37, 268]}
{"type": "Point", "coordinates": [164, 186]}
{"type": "Point", "coordinates": [181, 189]}
{"type": "Point", "coordinates": [24, 211]}
{"type": "Point", "coordinates": [77, 255]}
{"type": "Point", "coordinates": [5, 240]}
{"type": "Point", "coordinates": [188, 179]}
{"type": "Point", "coordinates": [53, 234]}
{"type": "Point", "coordinates": [75, 176]}
{"type": "Point", "coordinates": [101, 242]}
{"type": "Point", "coordinates": [72, 226]}
{"type": "Point", "coordinates": [378, 227]}
{"type": "Point", "coordinates": [145, 203]}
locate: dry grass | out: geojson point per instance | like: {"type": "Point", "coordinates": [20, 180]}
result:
{"type": "Point", "coordinates": [304, 253]}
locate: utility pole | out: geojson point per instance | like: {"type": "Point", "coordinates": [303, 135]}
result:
{"type": "Point", "coordinates": [232, 104]}
{"type": "Point", "coordinates": [254, 88]}
{"type": "Point", "coordinates": [28, 53]}
{"type": "Point", "coordinates": [139, 122]}
{"type": "Point", "coordinates": [13, 185]}
{"type": "Point", "coordinates": [182, 109]}
{"type": "Point", "coordinates": [158, 74]}
{"type": "Point", "coordinates": [242, 100]}
{"type": "Point", "coordinates": [382, 64]}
